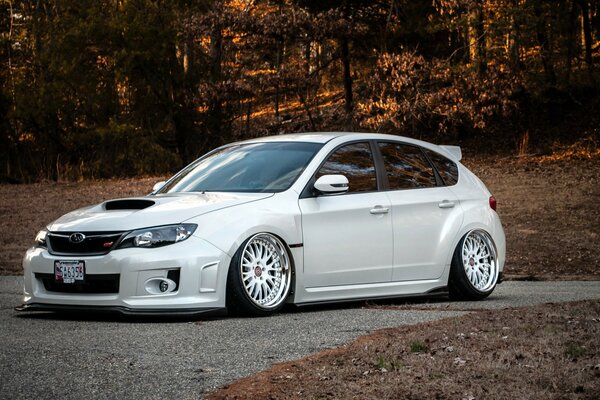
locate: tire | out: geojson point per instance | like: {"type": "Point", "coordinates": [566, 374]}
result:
{"type": "Point", "coordinates": [259, 277]}
{"type": "Point", "coordinates": [474, 269]}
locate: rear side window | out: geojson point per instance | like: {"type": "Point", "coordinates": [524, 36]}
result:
{"type": "Point", "coordinates": [406, 166]}
{"type": "Point", "coordinates": [355, 162]}
{"type": "Point", "coordinates": [447, 168]}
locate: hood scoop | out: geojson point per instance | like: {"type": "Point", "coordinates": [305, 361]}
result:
{"type": "Point", "coordinates": [128, 204]}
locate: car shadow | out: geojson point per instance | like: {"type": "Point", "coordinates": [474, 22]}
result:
{"type": "Point", "coordinates": [405, 301]}
{"type": "Point", "coordinates": [440, 301]}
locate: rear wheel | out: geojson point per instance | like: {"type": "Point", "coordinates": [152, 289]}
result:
{"type": "Point", "coordinates": [474, 270]}
{"type": "Point", "coordinates": [260, 276]}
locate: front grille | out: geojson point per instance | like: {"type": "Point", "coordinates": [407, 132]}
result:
{"type": "Point", "coordinates": [95, 284]}
{"type": "Point", "coordinates": [95, 243]}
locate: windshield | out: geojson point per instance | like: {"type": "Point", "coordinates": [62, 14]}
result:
{"type": "Point", "coordinates": [256, 167]}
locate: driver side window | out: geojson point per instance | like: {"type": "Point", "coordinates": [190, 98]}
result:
{"type": "Point", "coordinates": [355, 162]}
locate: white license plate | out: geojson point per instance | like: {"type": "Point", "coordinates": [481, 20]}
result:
{"type": "Point", "coordinates": [69, 271]}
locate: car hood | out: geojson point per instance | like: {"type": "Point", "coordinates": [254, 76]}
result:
{"type": "Point", "coordinates": [142, 212]}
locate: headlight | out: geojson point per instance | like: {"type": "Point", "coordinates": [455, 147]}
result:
{"type": "Point", "coordinates": [40, 238]}
{"type": "Point", "coordinates": [157, 236]}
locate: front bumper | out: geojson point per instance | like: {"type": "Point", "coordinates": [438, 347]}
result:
{"type": "Point", "coordinates": [202, 272]}
{"type": "Point", "coordinates": [179, 312]}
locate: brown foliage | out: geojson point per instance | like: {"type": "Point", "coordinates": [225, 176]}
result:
{"type": "Point", "coordinates": [413, 96]}
{"type": "Point", "coordinates": [184, 77]}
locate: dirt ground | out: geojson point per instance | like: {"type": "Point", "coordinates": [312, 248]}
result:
{"type": "Point", "coordinates": [549, 209]}
{"type": "Point", "coordinates": [550, 213]}
{"type": "Point", "coordinates": [544, 352]}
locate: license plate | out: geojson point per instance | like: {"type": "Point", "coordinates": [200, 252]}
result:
{"type": "Point", "coordinates": [69, 271]}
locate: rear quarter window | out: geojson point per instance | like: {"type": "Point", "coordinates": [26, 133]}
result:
{"type": "Point", "coordinates": [447, 168]}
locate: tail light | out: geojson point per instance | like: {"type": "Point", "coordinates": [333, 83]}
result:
{"type": "Point", "coordinates": [493, 203]}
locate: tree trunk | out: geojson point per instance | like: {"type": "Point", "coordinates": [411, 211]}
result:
{"type": "Point", "coordinates": [215, 108]}
{"type": "Point", "coordinates": [587, 32]}
{"type": "Point", "coordinates": [307, 57]}
{"type": "Point", "coordinates": [277, 66]}
{"type": "Point", "coordinates": [188, 53]}
{"type": "Point", "coordinates": [477, 46]}
{"type": "Point", "coordinates": [248, 116]}
{"type": "Point", "coordinates": [481, 43]}
{"type": "Point", "coordinates": [9, 43]}
{"type": "Point", "coordinates": [347, 74]}
{"type": "Point", "coordinates": [571, 40]}
{"type": "Point", "coordinates": [515, 40]}
{"type": "Point", "coordinates": [545, 48]}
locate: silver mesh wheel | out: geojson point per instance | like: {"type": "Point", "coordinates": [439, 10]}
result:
{"type": "Point", "coordinates": [479, 260]}
{"type": "Point", "coordinates": [265, 271]}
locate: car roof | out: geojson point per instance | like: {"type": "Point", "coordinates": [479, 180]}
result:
{"type": "Point", "coordinates": [324, 137]}
{"type": "Point", "coordinates": [311, 137]}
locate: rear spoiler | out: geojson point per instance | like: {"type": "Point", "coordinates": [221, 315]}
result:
{"type": "Point", "coordinates": [454, 151]}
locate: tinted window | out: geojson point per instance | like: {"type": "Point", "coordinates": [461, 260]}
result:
{"type": "Point", "coordinates": [447, 169]}
{"type": "Point", "coordinates": [406, 166]}
{"type": "Point", "coordinates": [256, 167]}
{"type": "Point", "coordinates": [355, 162]}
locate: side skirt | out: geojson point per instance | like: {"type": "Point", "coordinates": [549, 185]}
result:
{"type": "Point", "coordinates": [441, 291]}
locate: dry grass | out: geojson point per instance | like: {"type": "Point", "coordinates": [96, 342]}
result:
{"type": "Point", "coordinates": [550, 214]}
{"type": "Point", "coordinates": [543, 352]}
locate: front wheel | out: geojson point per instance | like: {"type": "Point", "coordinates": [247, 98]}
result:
{"type": "Point", "coordinates": [474, 269]}
{"type": "Point", "coordinates": [260, 276]}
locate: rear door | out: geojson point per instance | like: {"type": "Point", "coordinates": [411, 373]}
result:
{"type": "Point", "coordinates": [426, 215]}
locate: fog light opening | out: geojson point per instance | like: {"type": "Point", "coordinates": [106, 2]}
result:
{"type": "Point", "coordinates": [163, 286]}
{"type": "Point", "coordinates": [160, 286]}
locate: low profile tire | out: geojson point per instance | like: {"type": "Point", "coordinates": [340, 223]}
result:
{"type": "Point", "coordinates": [474, 269]}
{"type": "Point", "coordinates": [259, 277]}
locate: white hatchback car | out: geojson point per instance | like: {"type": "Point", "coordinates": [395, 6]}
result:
{"type": "Point", "coordinates": [302, 219]}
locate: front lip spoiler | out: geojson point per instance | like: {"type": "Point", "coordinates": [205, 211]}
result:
{"type": "Point", "coordinates": [178, 312]}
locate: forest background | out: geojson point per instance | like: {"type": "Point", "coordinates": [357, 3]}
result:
{"type": "Point", "coordinates": [98, 88]}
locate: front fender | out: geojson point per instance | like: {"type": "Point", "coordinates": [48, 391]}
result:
{"type": "Point", "coordinates": [228, 228]}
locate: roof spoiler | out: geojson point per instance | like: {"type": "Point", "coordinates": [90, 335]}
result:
{"type": "Point", "coordinates": [454, 151]}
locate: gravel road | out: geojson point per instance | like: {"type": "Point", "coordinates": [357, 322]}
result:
{"type": "Point", "coordinates": [44, 356]}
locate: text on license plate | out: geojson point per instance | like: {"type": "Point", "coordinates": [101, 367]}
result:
{"type": "Point", "coordinates": [69, 271]}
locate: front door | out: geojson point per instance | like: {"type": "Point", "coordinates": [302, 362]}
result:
{"type": "Point", "coordinates": [348, 237]}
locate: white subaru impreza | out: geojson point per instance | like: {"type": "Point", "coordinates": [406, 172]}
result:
{"type": "Point", "coordinates": [250, 226]}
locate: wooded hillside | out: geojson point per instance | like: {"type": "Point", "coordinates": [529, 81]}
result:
{"type": "Point", "coordinates": [98, 88]}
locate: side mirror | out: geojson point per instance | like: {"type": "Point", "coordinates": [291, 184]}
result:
{"type": "Point", "coordinates": [157, 186]}
{"type": "Point", "coordinates": [331, 184]}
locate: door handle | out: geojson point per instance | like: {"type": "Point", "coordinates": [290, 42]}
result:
{"type": "Point", "coordinates": [446, 204]}
{"type": "Point", "coordinates": [379, 210]}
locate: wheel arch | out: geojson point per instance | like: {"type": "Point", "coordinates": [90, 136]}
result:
{"type": "Point", "coordinates": [474, 222]}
